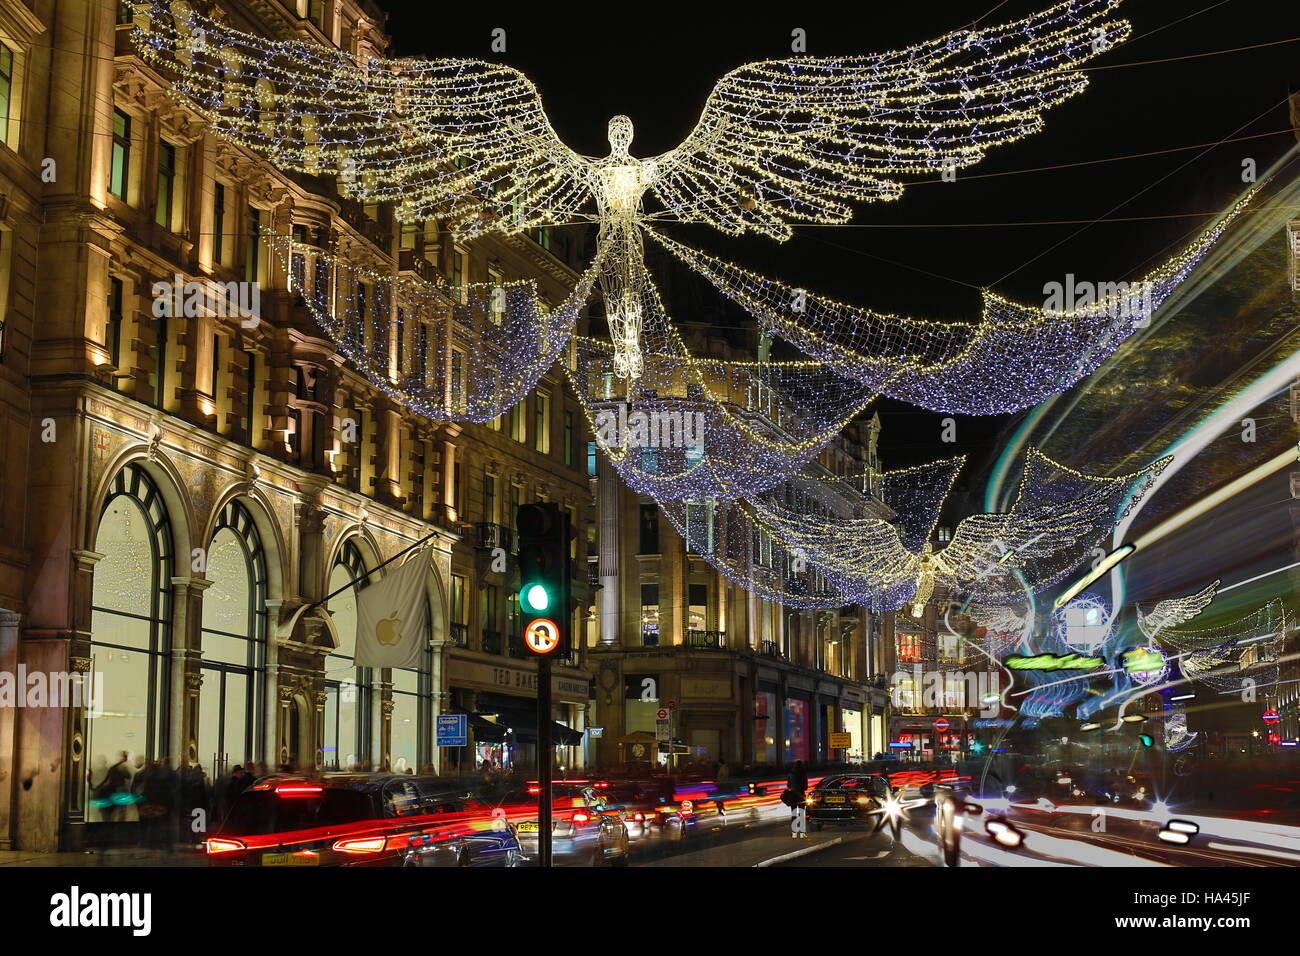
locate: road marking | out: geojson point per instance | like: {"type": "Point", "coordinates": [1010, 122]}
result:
{"type": "Point", "coordinates": [798, 853]}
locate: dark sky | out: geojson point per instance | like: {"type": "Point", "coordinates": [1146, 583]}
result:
{"type": "Point", "coordinates": [920, 254]}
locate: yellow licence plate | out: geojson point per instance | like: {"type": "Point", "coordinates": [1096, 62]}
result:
{"type": "Point", "coordinates": [527, 828]}
{"type": "Point", "coordinates": [290, 859]}
{"type": "Point", "coordinates": [834, 799]}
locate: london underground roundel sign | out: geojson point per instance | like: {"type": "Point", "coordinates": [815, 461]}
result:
{"type": "Point", "coordinates": [941, 725]}
{"type": "Point", "coordinates": [541, 636]}
{"type": "Point", "coordinates": [1271, 716]}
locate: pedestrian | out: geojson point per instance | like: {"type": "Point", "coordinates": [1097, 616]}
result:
{"type": "Point", "coordinates": [723, 778]}
{"type": "Point", "coordinates": [797, 788]}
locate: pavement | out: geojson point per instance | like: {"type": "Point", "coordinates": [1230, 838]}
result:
{"type": "Point", "coordinates": [771, 845]}
{"type": "Point", "coordinates": [130, 856]}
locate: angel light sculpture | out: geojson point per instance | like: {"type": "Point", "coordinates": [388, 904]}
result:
{"type": "Point", "coordinates": [779, 142]}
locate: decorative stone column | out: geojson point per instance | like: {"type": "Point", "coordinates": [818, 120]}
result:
{"type": "Point", "coordinates": [608, 491]}
{"type": "Point", "coordinates": [9, 621]}
{"type": "Point", "coordinates": [186, 653]}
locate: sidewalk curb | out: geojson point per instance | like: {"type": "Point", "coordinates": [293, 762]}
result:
{"type": "Point", "coordinates": [798, 853]}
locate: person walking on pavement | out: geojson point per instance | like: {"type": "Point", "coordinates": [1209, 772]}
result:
{"type": "Point", "coordinates": [798, 787]}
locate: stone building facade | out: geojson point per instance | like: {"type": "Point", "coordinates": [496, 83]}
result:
{"type": "Point", "coordinates": [185, 512]}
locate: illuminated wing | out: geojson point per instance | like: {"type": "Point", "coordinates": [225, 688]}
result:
{"type": "Point", "coordinates": [1175, 611]}
{"type": "Point", "coordinates": [795, 140]}
{"type": "Point", "coordinates": [464, 140]}
{"type": "Point", "coordinates": [1059, 515]}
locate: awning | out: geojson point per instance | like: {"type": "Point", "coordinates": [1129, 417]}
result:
{"type": "Point", "coordinates": [524, 725]}
{"type": "Point", "coordinates": [485, 731]}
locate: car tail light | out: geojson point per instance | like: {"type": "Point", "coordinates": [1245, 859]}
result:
{"type": "Point", "coordinates": [297, 790]}
{"type": "Point", "coordinates": [581, 818]}
{"type": "Point", "coordinates": [361, 845]}
{"type": "Point", "coordinates": [638, 817]}
{"type": "Point", "coordinates": [219, 845]}
{"type": "Point", "coordinates": [534, 789]}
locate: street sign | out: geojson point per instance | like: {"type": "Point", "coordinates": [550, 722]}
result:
{"type": "Point", "coordinates": [541, 636]}
{"type": "Point", "coordinates": [1271, 716]}
{"type": "Point", "coordinates": [661, 714]}
{"type": "Point", "coordinates": [841, 741]}
{"type": "Point", "coordinates": [941, 724]}
{"type": "Point", "coordinates": [596, 731]}
{"type": "Point", "coordinates": [661, 732]}
{"type": "Point", "coordinates": [688, 807]}
{"type": "Point", "coordinates": [453, 730]}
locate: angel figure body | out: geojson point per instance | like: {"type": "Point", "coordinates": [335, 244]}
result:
{"type": "Point", "coordinates": [619, 183]}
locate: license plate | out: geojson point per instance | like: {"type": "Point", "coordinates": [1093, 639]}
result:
{"type": "Point", "coordinates": [834, 799]}
{"type": "Point", "coordinates": [290, 859]}
{"type": "Point", "coordinates": [527, 828]}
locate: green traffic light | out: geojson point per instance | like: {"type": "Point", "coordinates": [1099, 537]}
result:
{"type": "Point", "coordinates": [535, 598]}
{"type": "Point", "coordinates": [1146, 740]}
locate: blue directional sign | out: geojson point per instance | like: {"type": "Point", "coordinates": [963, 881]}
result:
{"type": "Point", "coordinates": [453, 730]}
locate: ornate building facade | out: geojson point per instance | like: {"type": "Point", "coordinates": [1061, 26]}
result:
{"type": "Point", "coordinates": [193, 502]}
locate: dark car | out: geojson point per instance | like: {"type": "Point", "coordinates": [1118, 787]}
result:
{"type": "Point", "coordinates": [348, 819]}
{"type": "Point", "coordinates": [585, 828]}
{"type": "Point", "coordinates": [848, 798]}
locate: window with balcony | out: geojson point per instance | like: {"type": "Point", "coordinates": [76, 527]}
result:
{"type": "Point", "coordinates": [490, 498]}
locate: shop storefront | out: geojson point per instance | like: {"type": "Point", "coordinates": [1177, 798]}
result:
{"type": "Point", "coordinates": [501, 702]}
{"type": "Point", "coordinates": [798, 726]}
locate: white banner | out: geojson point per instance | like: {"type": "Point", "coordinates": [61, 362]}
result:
{"type": "Point", "coordinates": [391, 616]}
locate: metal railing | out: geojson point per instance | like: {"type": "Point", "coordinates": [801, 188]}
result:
{"type": "Point", "coordinates": [708, 640]}
{"type": "Point", "coordinates": [492, 535]}
{"type": "Point", "coordinates": [458, 634]}
{"type": "Point", "coordinates": [492, 642]}
{"type": "Point", "coordinates": [770, 649]}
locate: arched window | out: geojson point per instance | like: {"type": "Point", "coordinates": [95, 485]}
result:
{"type": "Point", "coordinates": [233, 697]}
{"type": "Point", "coordinates": [130, 641]}
{"type": "Point", "coordinates": [409, 744]}
{"type": "Point", "coordinates": [348, 693]}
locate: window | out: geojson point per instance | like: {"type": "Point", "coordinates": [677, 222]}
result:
{"type": "Point", "coordinates": [400, 332]}
{"type": "Point", "coordinates": [457, 380]}
{"type": "Point", "coordinates": [542, 422]}
{"type": "Point", "coordinates": [423, 357]}
{"type": "Point", "coordinates": [158, 355]}
{"type": "Point", "coordinates": [697, 610]}
{"type": "Point", "coordinates": [6, 265]}
{"type": "Point", "coordinates": [216, 363]}
{"type": "Point", "coordinates": [219, 246]}
{"type": "Point", "coordinates": [517, 423]}
{"type": "Point", "coordinates": [252, 263]}
{"type": "Point", "coordinates": [649, 529]}
{"type": "Point", "coordinates": [455, 487]}
{"type": "Point", "coordinates": [457, 599]}
{"type": "Point", "coordinates": [568, 439]}
{"type": "Point", "coordinates": [490, 498]}
{"type": "Point", "coordinates": [497, 307]}
{"type": "Point", "coordinates": [121, 168]}
{"type": "Point", "coordinates": [166, 183]}
{"type": "Point", "coordinates": [650, 615]}
{"type": "Point", "coordinates": [348, 692]}
{"type": "Point", "coordinates": [459, 278]}
{"type": "Point", "coordinates": [234, 643]}
{"type": "Point", "coordinates": [542, 236]}
{"type": "Point", "coordinates": [591, 459]}
{"type": "Point", "coordinates": [316, 12]}
{"type": "Point", "coordinates": [113, 334]}
{"type": "Point", "coordinates": [6, 90]}
{"type": "Point", "coordinates": [130, 634]}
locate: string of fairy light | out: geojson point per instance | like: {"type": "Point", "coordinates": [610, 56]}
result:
{"type": "Point", "coordinates": [779, 143]}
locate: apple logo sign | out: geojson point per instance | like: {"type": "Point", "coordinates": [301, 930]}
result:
{"type": "Point", "coordinates": [389, 631]}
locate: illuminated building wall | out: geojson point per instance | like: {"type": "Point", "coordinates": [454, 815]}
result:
{"type": "Point", "coordinates": [180, 490]}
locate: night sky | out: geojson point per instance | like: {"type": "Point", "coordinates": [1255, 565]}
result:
{"type": "Point", "coordinates": [922, 254]}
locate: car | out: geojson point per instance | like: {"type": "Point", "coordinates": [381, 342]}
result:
{"type": "Point", "coordinates": [849, 798]}
{"type": "Point", "coordinates": [585, 829]}
{"type": "Point", "coordinates": [350, 819]}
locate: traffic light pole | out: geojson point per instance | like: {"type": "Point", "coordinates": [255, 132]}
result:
{"type": "Point", "coordinates": [544, 755]}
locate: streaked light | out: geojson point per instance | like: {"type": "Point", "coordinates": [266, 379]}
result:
{"type": "Point", "coordinates": [1104, 565]}
{"type": "Point", "coordinates": [1173, 836]}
